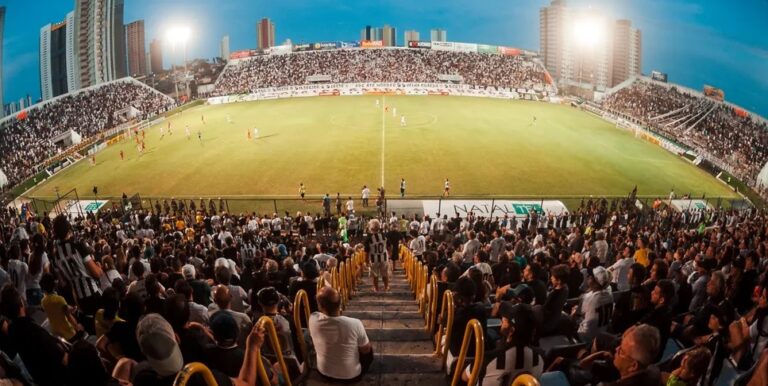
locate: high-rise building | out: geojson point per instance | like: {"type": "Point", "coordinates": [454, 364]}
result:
{"type": "Point", "coordinates": [265, 33]}
{"type": "Point", "coordinates": [57, 58]}
{"type": "Point", "coordinates": [156, 56]}
{"type": "Point", "coordinates": [224, 48]}
{"type": "Point", "coordinates": [410, 35]}
{"type": "Point", "coordinates": [389, 36]}
{"type": "Point", "coordinates": [367, 33]}
{"type": "Point", "coordinates": [627, 52]}
{"type": "Point", "coordinates": [2, 27]}
{"type": "Point", "coordinates": [137, 61]}
{"type": "Point", "coordinates": [585, 49]}
{"type": "Point", "coordinates": [438, 35]}
{"type": "Point", "coordinates": [100, 37]}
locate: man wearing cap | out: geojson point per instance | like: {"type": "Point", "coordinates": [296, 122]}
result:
{"type": "Point", "coordinates": [201, 291]}
{"type": "Point", "coordinates": [225, 356]}
{"type": "Point", "coordinates": [164, 360]}
{"type": "Point", "coordinates": [596, 306]}
{"type": "Point", "coordinates": [344, 352]}
{"type": "Point", "coordinates": [515, 352]}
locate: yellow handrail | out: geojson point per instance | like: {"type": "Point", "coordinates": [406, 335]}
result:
{"type": "Point", "coordinates": [424, 281]}
{"type": "Point", "coordinates": [525, 380]}
{"type": "Point", "coordinates": [351, 269]}
{"type": "Point", "coordinates": [301, 302]}
{"type": "Point", "coordinates": [432, 309]}
{"type": "Point", "coordinates": [446, 316]}
{"type": "Point", "coordinates": [191, 369]}
{"type": "Point", "coordinates": [473, 329]}
{"type": "Point", "coordinates": [269, 326]}
{"type": "Point", "coordinates": [261, 371]}
{"type": "Point", "coordinates": [341, 285]}
{"type": "Point", "coordinates": [320, 283]}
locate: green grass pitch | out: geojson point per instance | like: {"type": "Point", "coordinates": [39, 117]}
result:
{"type": "Point", "coordinates": [486, 147]}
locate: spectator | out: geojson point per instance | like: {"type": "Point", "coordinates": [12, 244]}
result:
{"type": "Point", "coordinates": [347, 356]}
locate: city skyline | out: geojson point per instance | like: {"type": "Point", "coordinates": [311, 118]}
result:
{"type": "Point", "coordinates": [696, 43]}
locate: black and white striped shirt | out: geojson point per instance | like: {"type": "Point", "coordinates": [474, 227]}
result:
{"type": "Point", "coordinates": [376, 246]}
{"type": "Point", "coordinates": [69, 261]}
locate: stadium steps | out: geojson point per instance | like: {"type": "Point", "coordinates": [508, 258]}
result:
{"type": "Point", "coordinates": [402, 349]}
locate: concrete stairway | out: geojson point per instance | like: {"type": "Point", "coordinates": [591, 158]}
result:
{"type": "Point", "coordinates": [402, 348]}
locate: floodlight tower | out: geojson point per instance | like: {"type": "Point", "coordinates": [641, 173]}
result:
{"type": "Point", "coordinates": [175, 36]}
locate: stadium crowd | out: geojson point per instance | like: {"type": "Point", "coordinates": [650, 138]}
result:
{"type": "Point", "coordinates": [133, 295]}
{"type": "Point", "coordinates": [379, 65]}
{"type": "Point", "coordinates": [26, 141]}
{"type": "Point", "coordinates": [716, 130]}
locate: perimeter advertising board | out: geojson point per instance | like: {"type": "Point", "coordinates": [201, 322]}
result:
{"type": "Point", "coordinates": [659, 76]}
{"type": "Point", "coordinates": [371, 43]}
{"type": "Point", "coordinates": [681, 205]}
{"type": "Point", "coordinates": [485, 208]}
{"type": "Point", "coordinates": [714, 93]}
{"type": "Point", "coordinates": [416, 44]}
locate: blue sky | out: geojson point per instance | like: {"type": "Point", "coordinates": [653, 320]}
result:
{"type": "Point", "coordinates": [722, 43]}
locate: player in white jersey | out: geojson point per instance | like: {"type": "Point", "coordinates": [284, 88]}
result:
{"type": "Point", "coordinates": [377, 103]}
{"type": "Point", "coordinates": [229, 119]}
{"type": "Point", "coordinates": [378, 250]}
{"type": "Point", "coordinates": [394, 111]}
{"type": "Point", "coordinates": [186, 131]}
{"type": "Point", "coordinates": [256, 132]}
{"type": "Point", "coordinates": [162, 132]}
{"type": "Point", "coordinates": [402, 121]}
{"type": "Point", "coordinates": [447, 188]}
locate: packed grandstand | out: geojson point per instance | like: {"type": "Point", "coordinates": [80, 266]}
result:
{"type": "Point", "coordinates": [610, 292]}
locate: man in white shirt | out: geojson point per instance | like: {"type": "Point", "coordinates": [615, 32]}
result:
{"type": "Point", "coordinates": [620, 269]}
{"type": "Point", "coordinates": [344, 352]}
{"type": "Point", "coordinates": [364, 195]}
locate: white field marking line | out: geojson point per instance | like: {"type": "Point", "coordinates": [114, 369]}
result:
{"type": "Point", "coordinates": [383, 131]}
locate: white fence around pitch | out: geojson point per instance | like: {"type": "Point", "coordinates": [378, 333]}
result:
{"type": "Point", "coordinates": [350, 89]}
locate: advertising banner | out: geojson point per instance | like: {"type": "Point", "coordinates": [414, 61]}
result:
{"type": "Point", "coordinates": [326, 45]}
{"type": "Point", "coordinates": [659, 76]}
{"type": "Point", "coordinates": [302, 47]}
{"type": "Point", "coordinates": [509, 51]}
{"type": "Point", "coordinates": [75, 207]}
{"type": "Point", "coordinates": [681, 205]}
{"type": "Point", "coordinates": [442, 46]}
{"type": "Point", "coordinates": [486, 208]}
{"type": "Point", "coordinates": [416, 44]}
{"type": "Point", "coordinates": [279, 50]}
{"type": "Point", "coordinates": [714, 93]}
{"type": "Point", "coordinates": [349, 44]}
{"type": "Point", "coordinates": [240, 54]}
{"type": "Point", "coordinates": [371, 43]}
{"type": "Point", "coordinates": [487, 49]}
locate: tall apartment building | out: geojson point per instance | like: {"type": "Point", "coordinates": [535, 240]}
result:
{"type": "Point", "coordinates": [627, 52]}
{"type": "Point", "coordinates": [265, 33]}
{"type": "Point", "coordinates": [410, 36]}
{"type": "Point", "coordinates": [58, 65]}
{"type": "Point", "coordinates": [156, 56]}
{"type": "Point", "coordinates": [100, 39]}
{"type": "Point", "coordinates": [137, 61]}
{"type": "Point", "coordinates": [438, 35]}
{"type": "Point", "coordinates": [2, 27]}
{"type": "Point", "coordinates": [224, 48]}
{"type": "Point", "coordinates": [389, 36]}
{"type": "Point", "coordinates": [612, 55]}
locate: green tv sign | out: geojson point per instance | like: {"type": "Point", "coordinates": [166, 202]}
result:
{"type": "Point", "coordinates": [523, 209]}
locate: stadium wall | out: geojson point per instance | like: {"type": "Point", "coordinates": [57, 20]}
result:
{"type": "Point", "coordinates": [351, 89]}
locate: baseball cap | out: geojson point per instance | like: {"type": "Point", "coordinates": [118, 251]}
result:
{"type": "Point", "coordinates": [188, 270]}
{"type": "Point", "coordinates": [224, 328]}
{"type": "Point", "coordinates": [601, 276]}
{"type": "Point", "coordinates": [158, 343]}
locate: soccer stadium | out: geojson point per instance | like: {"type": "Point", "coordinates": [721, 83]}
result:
{"type": "Point", "coordinates": [378, 211]}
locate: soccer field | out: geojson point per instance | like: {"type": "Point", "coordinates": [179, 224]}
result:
{"type": "Point", "coordinates": [486, 147]}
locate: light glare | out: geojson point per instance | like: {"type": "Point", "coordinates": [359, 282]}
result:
{"type": "Point", "coordinates": [178, 35]}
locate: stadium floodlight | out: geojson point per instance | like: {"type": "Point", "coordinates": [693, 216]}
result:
{"type": "Point", "coordinates": [178, 35]}
{"type": "Point", "coordinates": [589, 31]}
